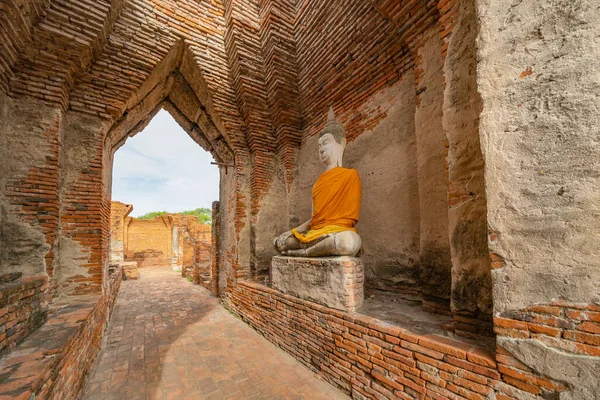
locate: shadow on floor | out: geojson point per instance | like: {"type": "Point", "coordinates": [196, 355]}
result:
{"type": "Point", "coordinates": [170, 339]}
{"type": "Point", "coordinates": [151, 315]}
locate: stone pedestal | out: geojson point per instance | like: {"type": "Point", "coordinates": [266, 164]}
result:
{"type": "Point", "coordinates": [336, 282]}
{"type": "Point", "coordinates": [130, 269]}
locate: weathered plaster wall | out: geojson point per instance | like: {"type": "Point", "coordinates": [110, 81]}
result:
{"type": "Point", "coordinates": [29, 136]}
{"type": "Point", "coordinates": [539, 79]}
{"type": "Point", "coordinates": [234, 214]}
{"type": "Point", "coordinates": [467, 211]}
{"type": "Point", "coordinates": [540, 138]}
{"type": "Point", "coordinates": [433, 200]}
{"type": "Point", "coordinates": [270, 221]}
{"type": "Point", "coordinates": [308, 169]}
{"type": "Point", "coordinates": [385, 159]}
{"type": "Point", "coordinates": [215, 249]}
{"type": "Point", "coordinates": [226, 227]}
{"type": "Point", "coordinates": [581, 371]}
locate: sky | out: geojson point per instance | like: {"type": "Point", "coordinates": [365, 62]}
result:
{"type": "Point", "coordinates": [163, 169]}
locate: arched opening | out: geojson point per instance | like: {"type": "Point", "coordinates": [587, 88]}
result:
{"type": "Point", "coordinates": [177, 91]}
{"type": "Point", "coordinates": [163, 188]}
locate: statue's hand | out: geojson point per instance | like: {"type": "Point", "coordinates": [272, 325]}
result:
{"type": "Point", "coordinates": [280, 241]}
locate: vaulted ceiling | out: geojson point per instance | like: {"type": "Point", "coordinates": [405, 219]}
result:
{"type": "Point", "coordinates": [265, 71]}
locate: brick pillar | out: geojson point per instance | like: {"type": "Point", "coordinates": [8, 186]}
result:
{"type": "Point", "coordinates": [118, 214]}
{"type": "Point", "coordinates": [197, 261]}
{"type": "Point", "coordinates": [467, 208]}
{"type": "Point", "coordinates": [215, 250]}
{"type": "Point", "coordinates": [84, 208]}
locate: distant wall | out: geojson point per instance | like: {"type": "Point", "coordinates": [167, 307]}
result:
{"type": "Point", "coordinates": [192, 241]}
{"type": "Point", "coordinates": [149, 242]}
{"type": "Point", "coordinates": [175, 240]}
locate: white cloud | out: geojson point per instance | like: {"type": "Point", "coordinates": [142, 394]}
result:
{"type": "Point", "coordinates": [162, 168]}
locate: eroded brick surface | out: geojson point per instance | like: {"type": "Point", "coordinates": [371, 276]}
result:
{"type": "Point", "coordinates": [369, 358]}
{"type": "Point", "coordinates": [53, 361]}
{"type": "Point", "coordinates": [169, 339]}
{"type": "Point", "coordinates": [23, 307]}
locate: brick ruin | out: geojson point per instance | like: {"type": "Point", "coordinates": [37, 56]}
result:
{"type": "Point", "coordinates": [174, 240]}
{"type": "Point", "coordinates": [472, 123]}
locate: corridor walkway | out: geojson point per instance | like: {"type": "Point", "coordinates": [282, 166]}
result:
{"type": "Point", "coordinates": [170, 339]}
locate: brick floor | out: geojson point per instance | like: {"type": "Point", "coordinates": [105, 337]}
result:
{"type": "Point", "coordinates": [170, 339]}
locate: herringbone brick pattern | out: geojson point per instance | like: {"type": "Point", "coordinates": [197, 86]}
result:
{"type": "Point", "coordinates": [170, 339]}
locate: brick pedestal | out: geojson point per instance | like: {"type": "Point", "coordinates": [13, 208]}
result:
{"type": "Point", "coordinates": [130, 270]}
{"type": "Point", "coordinates": [336, 282]}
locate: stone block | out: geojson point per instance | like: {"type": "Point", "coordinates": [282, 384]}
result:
{"type": "Point", "coordinates": [336, 282]}
{"type": "Point", "coordinates": [130, 270]}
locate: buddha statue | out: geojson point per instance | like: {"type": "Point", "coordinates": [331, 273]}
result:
{"type": "Point", "coordinates": [335, 205]}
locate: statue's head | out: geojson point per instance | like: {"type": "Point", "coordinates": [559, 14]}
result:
{"type": "Point", "coordinates": [332, 142]}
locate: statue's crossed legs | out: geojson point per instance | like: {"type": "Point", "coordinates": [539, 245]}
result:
{"type": "Point", "coordinates": [346, 243]}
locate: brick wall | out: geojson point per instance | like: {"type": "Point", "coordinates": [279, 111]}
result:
{"type": "Point", "coordinates": [197, 254]}
{"type": "Point", "coordinates": [570, 327]}
{"type": "Point", "coordinates": [107, 56]}
{"type": "Point", "coordinates": [278, 47]}
{"type": "Point", "coordinates": [200, 270]}
{"type": "Point", "coordinates": [68, 375]}
{"type": "Point", "coordinates": [343, 66]}
{"type": "Point", "coordinates": [352, 69]}
{"type": "Point", "coordinates": [149, 242]}
{"type": "Point", "coordinates": [368, 358]}
{"type": "Point", "coordinates": [85, 208]}
{"type": "Point", "coordinates": [61, 352]}
{"type": "Point", "coordinates": [448, 10]}
{"type": "Point", "coordinates": [267, 75]}
{"type": "Point", "coordinates": [97, 40]}
{"type": "Point", "coordinates": [23, 307]}
{"type": "Point", "coordinates": [15, 26]}
{"type": "Point", "coordinates": [193, 241]}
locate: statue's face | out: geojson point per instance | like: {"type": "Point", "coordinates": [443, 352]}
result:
{"type": "Point", "coordinates": [330, 151]}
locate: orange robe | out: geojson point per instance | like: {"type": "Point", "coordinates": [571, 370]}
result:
{"type": "Point", "coordinates": [336, 204]}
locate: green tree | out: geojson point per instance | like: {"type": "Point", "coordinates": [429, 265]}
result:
{"type": "Point", "coordinates": [152, 214]}
{"type": "Point", "coordinates": [204, 215]}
